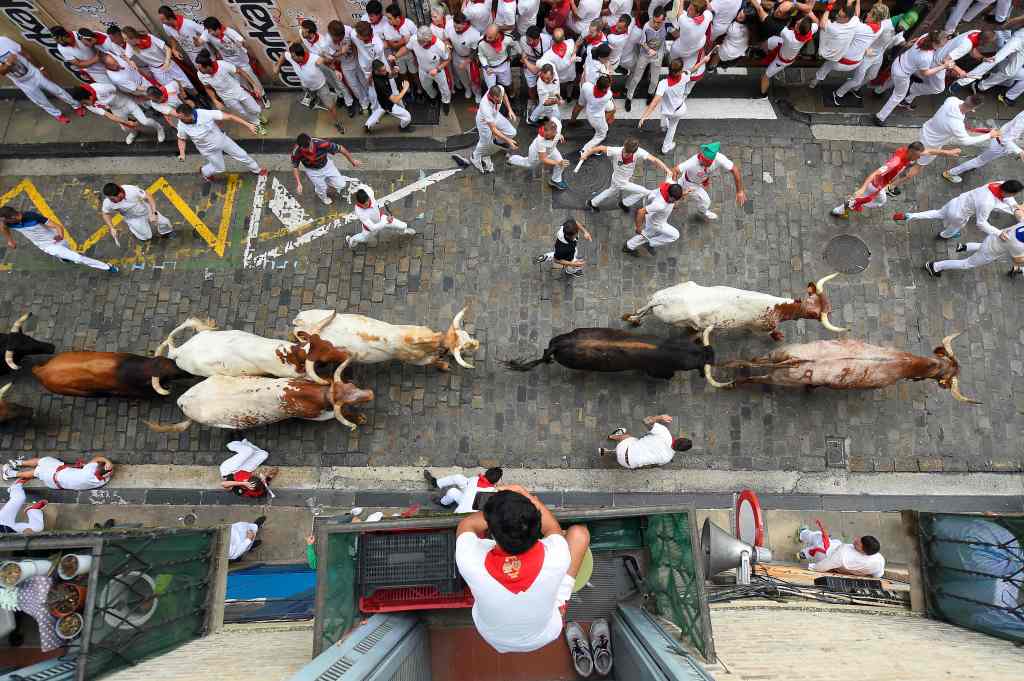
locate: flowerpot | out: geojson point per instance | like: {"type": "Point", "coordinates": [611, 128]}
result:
{"type": "Point", "coordinates": [14, 573]}
{"type": "Point", "coordinates": [73, 564]}
{"type": "Point", "coordinates": [65, 598]}
{"type": "Point", "coordinates": [69, 626]}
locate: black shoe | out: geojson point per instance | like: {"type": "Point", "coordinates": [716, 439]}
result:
{"type": "Point", "coordinates": [353, 110]}
{"type": "Point", "coordinates": [108, 523]}
{"type": "Point", "coordinates": [893, 191]}
{"type": "Point", "coordinates": [339, 126]}
{"type": "Point", "coordinates": [429, 477]}
{"type": "Point", "coordinates": [408, 128]}
{"type": "Point", "coordinates": [461, 161]}
{"type": "Point", "coordinates": [446, 107]}
{"type": "Point", "coordinates": [929, 267]}
{"type": "Point", "coordinates": [627, 251]}
{"type": "Point", "coordinates": [628, 104]}
{"type": "Point", "coordinates": [259, 521]}
{"type": "Point", "coordinates": [961, 248]}
{"type": "Point", "coordinates": [169, 235]}
{"type": "Point", "coordinates": [623, 206]}
{"type": "Point", "coordinates": [591, 206]}
{"type": "Point", "coordinates": [574, 273]}
{"type": "Point", "coordinates": [856, 94]}
{"type": "Point", "coordinates": [650, 249]}
{"type": "Point", "coordinates": [835, 98]}
{"type": "Point", "coordinates": [909, 106]}
{"type": "Point", "coordinates": [878, 121]}
{"type": "Point", "coordinates": [255, 544]}
{"type": "Point", "coordinates": [366, 129]}
{"type": "Point", "coordinates": [1015, 272]}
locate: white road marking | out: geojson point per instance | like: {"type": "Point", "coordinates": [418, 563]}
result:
{"type": "Point", "coordinates": [254, 219]}
{"type": "Point", "coordinates": [696, 108]}
{"type": "Point", "coordinates": [312, 235]}
{"type": "Point", "coordinates": [286, 208]}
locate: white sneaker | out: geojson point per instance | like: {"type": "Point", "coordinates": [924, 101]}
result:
{"type": "Point", "coordinates": [348, 240]}
{"type": "Point", "coordinates": [307, 99]}
{"type": "Point", "coordinates": [8, 472]}
{"type": "Point", "coordinates": [668, 149]}
{"type": "Point", "coordinates": [327, 200]}
{"type": "Point", "coordinates": [410, 232]}
{"type": "Point", "coordinates": [950, 177]}
{"type": "Point", "coordinates": [488, 165]}
{"type": "Point", "coordinates": [131, 137]}
{"type": "Point", "coordinates": [161, 134]}
{"type": "Point", "coordinates": [709, 215]}
{"type": "Point", "coordinates": [478, 164]}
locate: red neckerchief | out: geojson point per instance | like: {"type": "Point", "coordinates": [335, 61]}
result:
{"type": "Point", "coordinates": [875, 27]}
{"type": "Point", "coordinates": [463, 29]}
{"type": "Point", "coordinates": [89, 88]}
{"type": "Point", "coordinates": [375, 22]}
{"type": "Point", "coordinates": [663, 188]}
{"type": "Point", "coordinates": [303, 60]}
{"type": "Point", "coordinates": [599, 93]}
{"type": "Point", "coordinates": [515, 572]}
{"type": "Point", "coordinates": [704, 160]}
{"type": "Point", "coordinates": [674, 80]}
{"type": "Point", "coordinates": [366, 40]}
{"type": "Point", "coordinates": [825, 541]}
{"type": "Point", "coordinates": [179, 21]}
{"type": "Point", "coordinates": [996, 190]}
{"type": "Point", "coordinates": [433, 40]}
{"type": "Point", "coordinates": [559, 49]}
{"type": "Point", "coordinates": [163, 90]}
{"type": "Point", "coordinates": [215, 67]}
{"type": "Point", "coordinates": [596, 40]}
{"type": "Point", "coordinates": [100, 38]}
{"type": "Point", "coordinates": [220, 33]}
{"type": "Point", "coordinates": [145, 42]}
{"type": "Point", "coordinates": [71, 37]}
{"type": "Point", "coordinates": [626, 160]}
{"type": "Point", "coordinates": [483, 483]}
{"type": "Point", "coordinates": [803, 38]}
{"type": "Point", "coordinates": [314, 39]}
{"type": "Point", "coordinates": [698, 19]}
{"type": "Point", "coordinates": [616, 31]}
{"type": "Point", "coordinates": [974, 37]}
{"type": "Point", "coordinates": [497, 44]}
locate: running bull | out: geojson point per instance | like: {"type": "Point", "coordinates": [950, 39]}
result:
{"type": "Point", "coordinates": [847, 365]}
{"type": "Point", "coordinates": [239, 353]}
{"type": "Point", "coordinates": [240, 402]}
{"type": "Point", "coordinates": [371, 341]}
{"type": "Point", "coordinates": [16, 345]}
{"type": "Point", "coordinates": [617, 350]}
{"type": "Point", "coordinates": [92, 374]}
{"type": "Point", "coordinates": [721, 307]}
{"type": "Point", "coordinates": [10, 411]}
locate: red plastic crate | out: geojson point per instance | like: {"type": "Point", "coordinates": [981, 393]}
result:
{"type": "Point", "coordinates": [396, 599]}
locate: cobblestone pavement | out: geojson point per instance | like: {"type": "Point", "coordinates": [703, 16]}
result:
{"type": "Point", "coordinates": [476, 242]}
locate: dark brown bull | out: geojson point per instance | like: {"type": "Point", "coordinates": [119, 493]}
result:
{"type": "Point", "coordinates": [10, 411]}
{"type": "Point", "coordinates": [847, 365]}
{"type": "Point", "coordinates": [93, 374]}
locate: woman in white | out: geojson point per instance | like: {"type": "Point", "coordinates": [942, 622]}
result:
{"type": "Point", "coordinates": [867, 70]}
{"type": "Point", "coordinates": [1008, 242]}
{"type": "Point", "coordinates": [915, 61]}
{"type": "Point", "coordinates": [656, 448]}
{"type": "Point", "coordinates": [373, 218]}
{"type": "Point", "coordinates": [9, 512]}
{"type": "Point", "coordinates": [137, 208]}
{"type": "Point", "coordinates": [623, 160]}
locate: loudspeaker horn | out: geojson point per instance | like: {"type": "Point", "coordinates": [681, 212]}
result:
{"type": "Point", "coordinates": [722, 552]}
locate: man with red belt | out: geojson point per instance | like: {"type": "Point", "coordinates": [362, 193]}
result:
{"type": "Point", "coordinates": [696, 172]}
{"type": "Point", "coordinates": [523, 575]}
{"type": "Point", "coordinates": [56, 474]}
{"type": "Point", "coordinates": [872, 192]}
{"type": "Point", "coordinates": [314, 156]}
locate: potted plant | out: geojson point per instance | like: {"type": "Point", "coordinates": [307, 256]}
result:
{"type": "Point", "coordinates": [69, 626]}
{"type": "Point", "coordinates": [65, 598]}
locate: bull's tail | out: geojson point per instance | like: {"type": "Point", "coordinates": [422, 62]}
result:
{"type": "Point", "coordinates": [193, 323]}
{"type": "Point", "coordinates": [527, 364]}
{"type": "Point", "coordinates": [168, 428]}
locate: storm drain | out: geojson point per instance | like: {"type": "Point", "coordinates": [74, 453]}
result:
{"type": "Point", "coordinates": [847, 254]}
{"type": "Point", "coordinates": [835, 451]}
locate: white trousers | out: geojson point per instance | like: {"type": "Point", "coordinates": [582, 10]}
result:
{"type": "Point", "coordinates": [142, 228]}
{"type": "Point", "coordinates": [246, 457]}
{"type": "Point", "coordinates": [171, 73]}
{"type": "Point", "coordinates": [1016, 81]}
{"type": "Point", "coordinates": [600, 125]}
{"type": "Point", "coordinates": [544, 111]}
{"type": "Point", "coordinates": [866, 70]}
{"type": "Point", "coordinates": [456, 485]}
{"type": "Point", "coordinates": [59, 249]}
{"type": "Point", "coordinates": [497, 75]}
{"type": "Point", "coordinates": [485, 145]}
{"type": "Point", "coordinates": [813, 540]}
{"type": "Point", "coordinates": [239, 541]}
{"type": "Point", "coordinates": [533, 161]}
{"type": "Point", "coordinates": [830, 66]}
{"type": "Point", "coordinates": [900, 86]}
{"type": "Point", "coordinates": [9, 512]}
{"type": "Point", "coordinates": [700, 197]}
{"type": "Point", "coordinates": [931, 85]}
{"type": "Point", "coordinates": [397, 110]}
{"type": "Point", "coordinates": [968, 10]}
{"type": "Point", "coordinates": [460, 67]}
{"type": "Point", "coordinates": [655, 235]}
{"type": "Point", "coordinates": [629, 193]}
{"type": "Point", "coordinates": [977, 258]}
{"type": "Point", "coordinates": [995, 151]}
{"type": "Point", "coordinates": [355, 79]}
{"type": "Point", "coordinates": [335, 83]}
{"type": "Point", "coordinates": [124, 107]}
{"type": "Point", "coordinates": [37, 90]}
{"type": "Point", "coordinates": [246, 107]}
{"type": "Point", "coordinates": [215, 159]}
{"type": "Point", "coordinates": [368, 230]}
{"type": "Point", "coordinates": [643, 62]}
{"type": "Point", "coordinates": [440, 81]}
{"type": "Point", "coordinates": [669, 125]}
{"type": "Point", "coordinates": [248, 69]}
{"type": "Point", "coordinates": [951, 220]}
{"type": "Point", "coordinates": [325, 177]}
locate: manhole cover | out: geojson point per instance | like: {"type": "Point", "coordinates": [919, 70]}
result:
{"type": "Point", "coordinates": [847, 254]}
{"type": "Point", "coordinates": [594, 176]}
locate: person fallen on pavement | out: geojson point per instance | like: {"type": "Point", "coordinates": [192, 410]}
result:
{"type": "Point", "coordinates": [460, 491]}
{"type": "Point", "coordinates": [656, 448]}
{"type": "Point", "coordinates": [861, 558]}
{"type": "Point", "coordinates": [243, 473]}
{"type": "Point", "coordinates": [56, 474]}
{"type": "Point", "coordinates": [243, 537]}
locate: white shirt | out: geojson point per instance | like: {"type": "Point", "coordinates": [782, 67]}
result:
{"type": "Point", "coordinates": [239, 541]}
{"type": "Point", "coordinates": [372, 215]}
{"type": "Point", "coordinates": [133, 205]}
{"type": "Point", "coordinates": [673, 97]}
{"type": "Point", "coordinates": [488, 113]}
{"type": "Point", "coordinates": [850, 561]}
{"type": "Point", "coordinates": [834, 40]}
{"type": "Point", "coordinates": [695, 173]}
{"type": "Point", "coordinates": [127, 78]}
{"type": "Point", "coordinates": [725, 12]}
{"type": "Point", "coordinates": [948, 125]}
{"type": "Point", "coordinates": [913, 60]}
{"type": "Point", "coordinates": [588, 10]}
{"type": "Point", "coordinates": [429, 57]}
{"type": "Point", "coordinates": [981, 202]}
{"type": "Point", "coordinates": [107, 99]}
{"type": "Point", "coordinates": [82, 52]}
{"type": "Point", "coordinates": [624, 45]}
{"type": "Point", "coordinates": [323, 46]}
{"type": "Point", "coordinates": [495, 57]}
{"type": "Point", "coordinates": [532, 53]}
{"type": "Point", "coordinates": [546, 91]}
{"type": "Point", "coordinates": [463, 43]}
{"type": "Point", "coordinates": [224, 81]}
{"type": "Point", "coordinates": [173, 90]}
{"type": "Point", "coordinates": [540, 145]}
{"type": "Point", "coordinates": [204, 132]}
{"type": "Point", "coordinates": [623, 172]}
{"type": "Point", "coordinates": [1011, 133]}
{"type": "Point", "coordinates": [692, 35]}
{"type": "Point", "coordinates": [653, 449]}
{"type": "Point", "coordinates": [527, 10]}
{"type": "Point", "coordinates": [187, 36]}
{"type": "Point", "coordinates": [479, 14]}
{"type": "Point", "coordinates": [565, 67]}
{"type": "Point", "coordinates": [152, 56]}
{"type": "Point", "coordinates": [955, 47]}
{"type": "Point", "coordinates": [616, 8]}
{"type": "Point", "coordinates": [594, 105]}
{"type": "Point", "coordinates": [885, 38]}
{"type": "Point", "coordinates": [378, 28]}
{"type": "Point", "coordinates": [107, 46]}
{"type": "Point", "coordinates": [309, 73]}
{"type": "Point", "coordinates": [996, 248]}
{"type": "Point", "coordinates": [658, 209]}
{"type": "Point", "coordinates": [407, 32]}
{"type": "Point", "coordinates": [505, 13]}
{"type": "Point", "coordinates": [369, 51]}
{"type": "Point", "coordinates": [514, 622]}
{"type": "Point", "coordinates": [735, 43]}
{"type": "Point", "coordinates": [83, 478]}
{"type": "Point", "coordinates": [791, 46]}
{"type": "Point", "coordinates": [862, 39]}
{"type": "Point", "coordinates": [22, 71]}
{"type": "Point", "coordinates": [594, 69]}
{"type": "Point", "coordinates": [230, 48]}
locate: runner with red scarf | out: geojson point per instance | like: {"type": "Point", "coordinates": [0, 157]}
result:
{"type": "Point", "coordinates": [784, 48]}
{"type": "Point", "coordinates": [977, 203]}
{"type": "Point", "coordinates": [307, 67]}
{"type": "Point", "coordinates": [523, 575]}
{"type": "Point", "coordinates": [104, 100]}
{"type": "Point", "coordinates": [230, 46]}
{"type": "Point", "coordinates": [671, 97]}
{"type": "Point", "coordinates": [651, 222]}
{"type": "Point", "coordinates": [56, 474]}
{"type": "Point", "coordinates": [155, 55]}
{"type": "Point", "coordinates": [243, 473]}
{"type": "Point", "coordinates": [494, 52]}
{"type": "Point", "coordinates": [693, 41]}
{"type": "Point", "coordinates": [460, 491]}
{"type": "Point", "coordinates": [696, 172]}
{"type": "Point", "coordinates": [183, 34]}
{"type": "Point", "coordinates": [432, 57]}
{"type": "Point", "coordinates": [596, 100]}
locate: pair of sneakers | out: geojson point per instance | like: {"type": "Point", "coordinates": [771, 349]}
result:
{"type": "Point", "coordinates": [593, 654]}
{"type": "Point", "coordinates": [9, 471]}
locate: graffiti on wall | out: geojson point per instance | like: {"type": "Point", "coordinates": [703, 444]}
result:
{"type": "Point", "coordinates": [28, 22]}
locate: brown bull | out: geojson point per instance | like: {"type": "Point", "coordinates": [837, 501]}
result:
{"type": "Point", "coordinates": [92, 374]}
{"type": "Point", "coordinates": [847, 365]}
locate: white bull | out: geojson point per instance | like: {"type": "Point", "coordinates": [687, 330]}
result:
{"type": "Point", "coordinates": [239, 353]}
{"type": "Point", "coordinates": [721, 307]}
{"type": "Point", "coordinates": [370, 341]}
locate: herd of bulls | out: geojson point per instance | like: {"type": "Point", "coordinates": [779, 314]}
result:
{"type": "Point", "coordinates": [251, 381]}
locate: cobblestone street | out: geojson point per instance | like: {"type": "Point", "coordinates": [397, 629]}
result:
{"type": "Point", "coordinates": [477, 239]}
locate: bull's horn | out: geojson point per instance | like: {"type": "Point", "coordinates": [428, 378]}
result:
{"type": "Point", "coordinates": [706, 336]}
{"type": "Point", "coordinates": [947, 343]}
{"type": "Point", "coordinates": [312, 374]}
{"type": "Point", "coordinates": [323, 325]}
{"type": "Point", "coordinates": [457, 322]}
{"type": "Point", "coordinates": [9, 359]}
{"type": "Point", "coordinates": [16, 326]}
{"type": "Point", "coordinates": [829, 325]}
{"type": "Point", "coordinates": [3, 390]}
{"type": "Point", "coordinates": [820, 284]}
{"type": "Point", "coordinates": [457, 354]}
{"type": "Point", "coordinates": [341, 368]}
{"type": "Point", "coordinates": [341, 417]}
{"type": "Point", "coordinates": [712, 381]}
{"type": "Point", "coordinates": [169, 428]}
{"type": "Point", "coordinates": [160, 390]}
{"type": "Point", "coordinates": [954, 388]}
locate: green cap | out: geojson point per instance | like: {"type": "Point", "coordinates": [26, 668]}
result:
{"type": "Point", "coordinates": [709, 151]}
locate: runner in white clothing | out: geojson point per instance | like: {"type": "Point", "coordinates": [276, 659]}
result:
{"type": "Point", "coordinates": [651, 223]}
{"type": "Point", "coordinates": [837, 29]}
{"type": "Point", "coordinates": [308, 69]}
{"type": "Point", "coordinates": [671, 98]}
{"type": "Point", "coordinates": [562, 56]}
{"type": "Point", "coordinates": [328, 50]}
{"type": "Point", "coordinates": [656, 448]}
{"type": "Point", "coordinates": [77, 53]}
{"type": "Point", "coordinates": [581, 14]}
{"type": "Point", "coordinates": [107, 43]}
{"type": "Point", "coordinates": [346, 59]}
{"type": "Point", "coordinates": [526, 15]}
{"type": "Point", "coordinates": [916, 61]}
{"type": "Point", "coordinates": [949, 126]}
{"type": "Point", "coordinates": [105, 100]}
{"type": "Point", "coordinates": [374, 218]}
{"type": "Point", "coordinates": [479, 12]}
{"type": "Point", "coordinates": [45, 235]}
{"type": "Point", "coordinates": [695, 173]}
{"type": "Point", "coordinates": [787, 45]}
{"type": "Point", "coordinates": [495, 55]}
{"type": "Point", "coordinates": [125, 75]}
{"type": "Point", "coordinates": [9, 512]}
{"type": "Point", "coordinates": [200, 125]}
{"type": "Point", "coordinates": [184, 34]}
{"type": "Point", "coordinates": [1005, 66]}
{"type": "Point", "coordinates": [494, 130]}
{"type": "Point", "coordinates": [56, 474]}
{"type": "Point", "coordinates": [463, 39]}
{"type": "Point", "coordinates": [27, 77]}
{"type": "Point", "coordinates": [826, 554]}
{"type": "Point", "coordinates": [624, 160]}
{"type": "Point", "coordinates": [885, 36]}
{"type": "Point", "coordinates": [544, 152]}
{"type": "Point", "coordinates": [155, 55]}
{"type": "Point", "coordinates": [969, 10]}
{"type": "Point", "coordinates": [138, 210]}
{"type": "Point", "coordinates": [532, 46]}
{"type": "Point", "coordinates": [596, 100]}
{"type": "Point", "coordinates": [505, 15]}
{"type": "Point", "coordinates": [1007, 144]}
{"type": "Point", "coordinates": [221, 80]}
{"type": "Point", "coordinates": [969, 43]}
{"type": "Point", "coordinates": [398, 32]}
{"type": "Point", "coordinates": [460, 491]}
{"type": "Point", "coordinates": [432, 58]}
{"type": "Point", "coordinates": [624, 40]}
{"type": "Point", "coordinates": [725, 12]}
{"type": "Point", "coordinates": [1008, 242]}
{"type": "Point", "coordinates": [165, 100]}
{"type": "Point", "coordinates": [693, 29]}
{"type": "Point", "coordinates": [230, 46]}
{"type": "Point", "coordinates": [650, 54]}
{"type": "Point", "coordinates": [978, 203]}
{"type": "Point", "coordinates": [549, 95]}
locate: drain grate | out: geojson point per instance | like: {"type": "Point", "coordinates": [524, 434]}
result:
{"type": "Point", "coordinates": [847, 254]}
{"type": "Point", "coordinates": [594, 176]}
{"type": "Point", "coordinates": [835, 451]}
